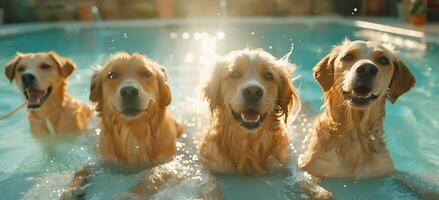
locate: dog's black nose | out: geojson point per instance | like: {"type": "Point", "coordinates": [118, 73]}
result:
{"type": "Point", "coordinates": [129, 91]}
{"type": "Point", "coordinates": [28, 80]}
{"type": "Point", "coordinates": [367, 70]}
{"type": "Point", "coordinates": [252, 93]}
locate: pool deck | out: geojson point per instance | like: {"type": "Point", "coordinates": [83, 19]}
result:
{"type": "Point", "coordinates": [427, 33]}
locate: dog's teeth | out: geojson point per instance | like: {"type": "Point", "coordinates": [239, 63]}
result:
{"type": "Point", "coordinates": [245, 119]}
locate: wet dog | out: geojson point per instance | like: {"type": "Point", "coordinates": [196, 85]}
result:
{"type": "Point", "coordinates": [132, 95]}
{"type": "Point", "coordinates": [251, 96]}
{"type": "Point", "coordinates": [42, 78]}
{"type": "Point", "coordinates": [137, 131]}
{"type": "Point", "coordinates": [357, 77]}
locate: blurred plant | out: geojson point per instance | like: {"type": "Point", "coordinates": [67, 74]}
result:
{"type": "Point", "coordinates": [417, 7]}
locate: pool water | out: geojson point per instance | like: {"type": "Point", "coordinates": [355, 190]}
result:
{"type": "Point", "coordinates": [29, 170]}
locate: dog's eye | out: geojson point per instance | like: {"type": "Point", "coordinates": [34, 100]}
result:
{"type": "Point", "coordinates": [112, 75]}
{"type": "Point", "coordinates": [21, 69]}
{"type": "Point", "coordinates": [44, 66]}
{"type": "Point", "coordinates": [235, 75]}
{"type": "Point", "coordinates": [383, 60]}
{"type": "Point", "coordinates": [268, 76]}
{"type": "Point", "coordinates": [145, 73]}
{"type": "Point", "coordinates": [347, 57]}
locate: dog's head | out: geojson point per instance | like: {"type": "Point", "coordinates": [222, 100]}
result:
{"type": "Point", "coordinates": [130, 85]}
{"type": "Point", "coordinates": [363, 71]}
{"type": "Point", "coordinates": [250, 86]}
{"type": "Point", "coordinates": [38, 75]}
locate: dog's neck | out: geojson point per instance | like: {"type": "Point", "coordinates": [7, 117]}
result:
{"type": "Point", "coordinates": [346, 123]}
{"type": "Point", "coordinates": [248, 151]}
{"type": "Point", "coordinates": [131, 142]}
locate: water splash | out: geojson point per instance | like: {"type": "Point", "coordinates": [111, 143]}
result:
{"type": "Point", "coordinates": [286, 57]}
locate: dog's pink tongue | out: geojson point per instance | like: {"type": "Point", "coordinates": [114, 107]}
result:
{"type": "Point", "coordinates": [34, 96]}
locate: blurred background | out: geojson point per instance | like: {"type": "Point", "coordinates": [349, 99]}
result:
{"type": "Point", "coordinates": [18, 11]}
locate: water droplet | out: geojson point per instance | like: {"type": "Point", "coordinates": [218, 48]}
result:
{"type": "Point", "coordinates": [125, 35]}
{"type": "Point", "coordinates": [185, 35]}
{"type": "Point", "coordinates": [253, 33]}
{"type": "Point", "coordinates": [197, 35]}
{"type": "Point", "coordinates": [173, 35]}
{"type": "Point", "coordinates": [270, 47]}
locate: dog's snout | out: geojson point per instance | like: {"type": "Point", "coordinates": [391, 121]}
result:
{"type": "Point", "coordinates": [129, 91]}
{"type": "Point", "coordinates": [368, 70]}
{"type": "Point", "coordinates": [252, 93]}
{"type": "Point", "coordinates": [28, 80]}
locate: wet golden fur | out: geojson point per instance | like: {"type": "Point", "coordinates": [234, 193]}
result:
{"type": "Point", "coordinates": [147, 140]}
{"type": "Point", "coordinates": [60, 110]}
{"type": "Point", "coordinates": [348, 141]}
{"type": "Point", "coordinates": [228, 147]}
{"type": "Point", "coordinates": [150, 137]}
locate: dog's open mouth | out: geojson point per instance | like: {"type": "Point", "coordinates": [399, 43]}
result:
{"type": "Point", "coordinates": [357, 99]}
{"type": "Point", "coordinates": [249, 119]}
{"type": "Point", "coordinates": [35, 98]}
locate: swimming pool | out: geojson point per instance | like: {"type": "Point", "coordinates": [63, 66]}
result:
{"type": "Point", "coordinates": [27, 171]}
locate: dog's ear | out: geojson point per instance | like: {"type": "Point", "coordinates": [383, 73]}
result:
{"type": "Point", "coordinates": [164, 90]}
{"type": "Point", "coordinates": [96, 92]}
{"type": "Point", "coordinates": [402, 81]}
{"type": "Point", "coordinates": [65, 65]}
{"type": "Point", "coordinates": [211, 88]}
{"type": "Point", "coordinates": [324, 70]}
{"type": "Point", "coordinates": [10, 67]}
{"type": "Point", "coordinates": [288, 99]}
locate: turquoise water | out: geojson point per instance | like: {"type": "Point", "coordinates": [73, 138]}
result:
{"type": "Point", "coordinates": [28, 171]}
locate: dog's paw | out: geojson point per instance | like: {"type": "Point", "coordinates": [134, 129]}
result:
{"type": "Point", "coordinates": [314, 191]}
{"type": "Point", "coordinates": [323, 195]}
{"type": "Point", "coordinates": [73, 194]}
{"type": "Point", "coordinates": [127, 196]}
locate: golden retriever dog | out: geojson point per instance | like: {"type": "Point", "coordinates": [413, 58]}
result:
{"type": "Point", "coordinates": [348, 143]}
{"type": "Point", "coordinates": [251, 96]}
{"type": "Point", "coordinates": [42, 78]}
{"type": "Point", "coordinates": [357, 77]}
{"type": "Point", "coordinates": [131, 95]}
